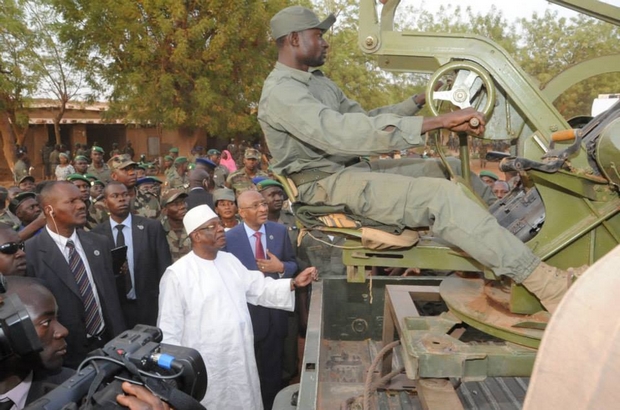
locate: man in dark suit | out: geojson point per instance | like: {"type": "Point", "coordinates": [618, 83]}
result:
{"type": "Point", "coordinates": [199, 184]}
{"type": "Point", "coordinates": [148, 255]}
{"type": "Point", "coordinates": [24, 379]}
{"type": "Point", "coordinates": [265, 246]}
{"type": "Point", "coordinates": [76, 266]}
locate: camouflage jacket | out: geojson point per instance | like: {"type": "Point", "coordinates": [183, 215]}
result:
{"type": "Point", "coordinates": [97, 212]}
{"type": "Point", "coordinates": [7, 218]}
{"type": "Point", "coordinates": [288, 219]}
{"type": "Point", "coordinates": [20, 170]}
{"type": "Point", "coordinates": [240, 181]}
{"type": "Point", "coordinates": [180, 245]}
{"type": "Point", "coordinates": [174, 180]}
{"type": "Point", "coordinates": [146, 204]}
{"type": "Point", "coordinates": [103, 174]}
{"type": "Point", "coordinates": [220, 174]}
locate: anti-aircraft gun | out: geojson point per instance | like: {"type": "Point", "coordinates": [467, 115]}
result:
{"type": "Point", "coordinates": [567, 211]}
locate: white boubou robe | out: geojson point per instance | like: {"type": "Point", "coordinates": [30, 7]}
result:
{"type": "Point", "coordinates": [203, 305]}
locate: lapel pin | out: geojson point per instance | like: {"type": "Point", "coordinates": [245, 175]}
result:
{"type": "Point", "coordinates": [97, 253]}
{"type": "Point", "coordinates": [140, 227]}
{"type": "Point", "coordinates": [271, 237]}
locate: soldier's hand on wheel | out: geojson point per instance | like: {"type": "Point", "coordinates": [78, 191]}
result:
{"type": "Point", "coordinates": [467, 120]}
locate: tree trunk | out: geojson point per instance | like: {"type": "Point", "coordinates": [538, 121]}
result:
{"type": "Point", "coordinates": [8, 139]}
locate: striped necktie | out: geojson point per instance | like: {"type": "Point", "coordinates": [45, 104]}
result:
{"type": "Point", "coordinates": [93, 318]}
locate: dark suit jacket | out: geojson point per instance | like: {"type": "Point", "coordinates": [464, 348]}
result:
{"type": "Point", "coordinates": [46, 262]}
{"type": "Point", "coordinates": [199, 197]}
{"type": "Point", "coordinates": [280, 245]}
{"type": "Point", "coordinates": [151, 255]}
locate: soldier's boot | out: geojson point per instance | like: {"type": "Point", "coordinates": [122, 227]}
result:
{"type": "Point", "coordinates": [549, 284]}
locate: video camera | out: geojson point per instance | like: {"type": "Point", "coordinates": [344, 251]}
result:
{"type": "Point", "coordinates": [17, 332]}
{"type": "Point", "coordinates": [175, 374]}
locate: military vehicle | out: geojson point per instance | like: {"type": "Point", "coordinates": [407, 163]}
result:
{"type": "Point", "coordinates": [466, 339]}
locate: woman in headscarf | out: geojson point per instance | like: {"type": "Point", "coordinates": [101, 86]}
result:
{"type": "Point", "coordinates": [228, 161]}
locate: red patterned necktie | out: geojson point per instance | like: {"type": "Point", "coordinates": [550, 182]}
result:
{"type": "Point", "coordinates": [260, 252]}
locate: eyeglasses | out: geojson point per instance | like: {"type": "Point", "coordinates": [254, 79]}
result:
{"type": "Point", "coordinates": [256, 206]}
{"type": "Point", "coordinates": [11, 248]}
{"type": "Point", "coordinates": [210, 228]}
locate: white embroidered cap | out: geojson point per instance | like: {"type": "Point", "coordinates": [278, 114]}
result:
{"type": "Point", "coordinates": [197, 216]}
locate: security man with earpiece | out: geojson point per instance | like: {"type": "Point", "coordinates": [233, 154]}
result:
{"type": "Point", "coordinates": [76, 266]}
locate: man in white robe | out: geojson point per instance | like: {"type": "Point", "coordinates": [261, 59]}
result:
{"type": "Point", "coordinates": [203, 305]}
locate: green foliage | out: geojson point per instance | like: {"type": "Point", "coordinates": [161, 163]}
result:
{"type": "Point", "coordinates": [194, 64]}
{"type": "Point", "coordinates": [553, 44]}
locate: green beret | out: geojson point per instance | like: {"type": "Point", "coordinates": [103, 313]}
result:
{"type": "Point", "coordinates": [174, 150]}
{"type": "Point", "coordinates": [97, 149]}
{"type": "Point", "coordinates": [80, 158]}
{"type": "Point", "coordinates": [97, 182]}
{"type": "Point", "coordinates": [213, 152]}
{"type": "Point", "coordinates": [268, 183]}
{"type": "Point", "coordinates": [489, 174]}
{"type": "Point", "coordinates": [180, 160]}
{"type": "Point", "coordinates": [91, 177]}
{"type": "Point", "coordinates": [168, 158]}
{"type": "Point", "coordinates": [77, 177]}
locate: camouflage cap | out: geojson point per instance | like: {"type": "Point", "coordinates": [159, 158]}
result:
{"type": "Point", "coordinates": [223, 194]}
{"type": "Point", "coordinates": [77, 177]}
{"type": "Point", "coordinates": [252, 153]}
{"type": "Point", "coordinates": [97, 149]}
{"type": "Point", "coordinates": [214, 152]}
{"type": "Point", "coordinates": [172, 195]}
{"type": "Point", "coordinates": [297, 18]}
{"type": "Point", "coordinates": [18, 199]}
{"type": "Point", "coordinates": [120, 162]}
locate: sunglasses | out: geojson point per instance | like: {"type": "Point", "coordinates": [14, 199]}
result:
{"type": "Point", "coordinates": [11, 248]}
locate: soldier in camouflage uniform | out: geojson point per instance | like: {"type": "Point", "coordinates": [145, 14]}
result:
{"type": "Point", "coordinates": [178, 178]}
{"type": "Point", "coordinates": [220, 173]}
{"type": "Point", "coordinates": [174, 209]}
{"type": "Point", "coordinates": [241, 180]}
{"type": "Point", "coordinates": [145, 203]}
{"type": "Point", "coordinates": [115, 150]}
{"type": "Point", "coordinates": [225, 206]}
{"type": "Point", "coordinates": [21, 168]}
{"type": "Point", "coordinates": [174, 153]}
{"type": "Point", "coordinates": [99, 168]}
{"type": "Point", "coordinates": [168, 168]}
{"type": "Point", "coordinates": [6, 217]}
{"type": "Point", "coordinates": [80, 164]}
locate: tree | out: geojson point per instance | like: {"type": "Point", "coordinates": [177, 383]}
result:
{"type": "Point", "coordinates": [57, 78]}
{"type": "Point", "coordinates": [171, 64]}
{"type": "Point", "coordinates": [553, 44]}
{"type": "Point", "coordinates": [16, 81]}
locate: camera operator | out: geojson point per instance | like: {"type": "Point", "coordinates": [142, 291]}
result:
{"type": "Point", "coordinates": [25, 379]}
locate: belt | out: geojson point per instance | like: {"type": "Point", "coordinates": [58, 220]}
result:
{"type": "Point", "coordinates": [304, 177]}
